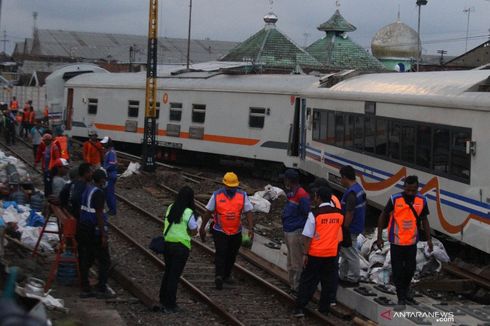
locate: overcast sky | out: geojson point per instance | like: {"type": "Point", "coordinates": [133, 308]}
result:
{"type": "Point", "coordinates": [443, 21]}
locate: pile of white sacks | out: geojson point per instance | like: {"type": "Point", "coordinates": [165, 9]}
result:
{"type": "Point", "coordinates": [261, 200]}
{"type": "Point", "coordinates": [376, 263]}
{"type": "Point", "coordinates": [18, 219]}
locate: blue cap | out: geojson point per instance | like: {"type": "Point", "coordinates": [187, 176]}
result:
{"type": "Point", "coordinates": [291, 174]}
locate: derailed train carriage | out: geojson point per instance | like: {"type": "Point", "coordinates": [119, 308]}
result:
{"type": "Point", "coordinates": [386, 126]}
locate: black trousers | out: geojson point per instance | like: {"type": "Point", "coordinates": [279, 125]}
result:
{"type": "Point", "coordinates": [175, 255]}
{"type": "Point", "coordinates": [90, 249]}
{"type": "Point", "coordinates": [226, 247]}
{"type": "Point", "coordinates": [34, 150]}
{"type": "Point", "coordinates": [403, 265]}
{"type": "Point", "coordinates": [48, 183]}
{"type": "Point", "coordinates": [10, 134]}
{"type": "Point", "coordinates": [317, 270]}
{"type": "Point", "coordinates": [333, 283]}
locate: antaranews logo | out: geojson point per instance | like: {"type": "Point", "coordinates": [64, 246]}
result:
{"type": "Point", "coordinates": [439, 316]}
{"type": "Point", "coordinates": [386, 314]}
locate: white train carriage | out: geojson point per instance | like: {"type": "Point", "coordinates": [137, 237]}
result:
{"type": "Point", "coordinates": [388, 126]}
{"type": "Point", "coordinates": [246, 116]}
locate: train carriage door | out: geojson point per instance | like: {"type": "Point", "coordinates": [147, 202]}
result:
{"type": "Point", "coordinates": [69, 109]}
{"type": "Point", "coordinates": [293, 145]}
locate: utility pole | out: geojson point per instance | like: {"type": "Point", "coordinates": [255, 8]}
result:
{"type": "Point", "coordinates": [4, 41]}
{"type": "Point", "coordinates": [189, 37]}
{"type": "Point", "coordinates": [420, 3]}
{"type": "Point", "coordinates": [468, 11]}
{"type": "Point", "coordinates": [150, 128]}
{"type": "Point", "coordinates": [442, 53]}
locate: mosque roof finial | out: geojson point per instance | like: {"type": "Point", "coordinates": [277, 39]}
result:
{"type": "Point", "coordinates": [398, 16]}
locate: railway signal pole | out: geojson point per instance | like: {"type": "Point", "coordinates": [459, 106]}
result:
{"type": "Point", "coordinates": [149, 136]}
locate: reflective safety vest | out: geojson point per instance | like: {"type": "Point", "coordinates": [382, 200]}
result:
{"type": "Point", "coordinates": [14, 105]}
{"type": "Point", "coordinates": [46, 112]}
{"type": "Point", "coordinates": [357, 224]}
{"type": "Point", "coordinates": [62, 143]}
{"type": "Point", "coordinates": [32, 117]}
{"type": "Point", "coordinates": [328, 223]}
{"type": "Point", "coordinates": [178, 232]}
{"type": "Point", "coordinates": [228, 211]}
{"type": "Point", "coordinates": [88, 216]}
{"type": "Point", "coordinates": [26, 115]}
{"type": "Point", "coordinates": [402, 227]}
{"type": "Point", "coordinates": [54, 154]}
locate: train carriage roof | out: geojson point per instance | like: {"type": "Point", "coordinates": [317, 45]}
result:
{"type": "Point", "coordinates": [201, 81]}
{"type": "Point", "coordinates": [445, 83]}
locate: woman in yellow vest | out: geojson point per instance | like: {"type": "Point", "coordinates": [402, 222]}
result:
{"type": "Point", "coordinates": [179, 226]}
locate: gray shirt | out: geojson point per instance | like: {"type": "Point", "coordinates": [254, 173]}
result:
{"type": "Point", "coordinates": [58, 184]}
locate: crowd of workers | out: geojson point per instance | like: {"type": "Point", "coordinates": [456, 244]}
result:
{"type": "Point", "coordinates": [318, 230]}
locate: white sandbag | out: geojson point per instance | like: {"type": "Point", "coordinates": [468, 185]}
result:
{"type": "Point", "coordinates": [360, 241]}
{"type": "Point", "coordinates": [367, 247]}
{"type": "Point", "coordinates": [379, 275]}
{"type": "Point", "coordinates": [364, 264]}
{"type": "Point", "coordinates": [31, 234]}
{"type": "Point", "coordinates": [133, 168]}
{"type": "Point", "coordinates": [10, 215]}
{"type": "Point", "coordinates": [376, 257]}
{"type": "Point", "coordinates": [270, 193]}
{"type": "Point", "coordinates": [260, 204]}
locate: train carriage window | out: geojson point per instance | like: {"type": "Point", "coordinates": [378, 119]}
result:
{"type": "Point", "coordinates": [359, 132]}
{"type": "Point", "coordinates": [460, 161]}
{"type": "Point", "coordinates": [330, 138]}
{"type": "Point", "coordinates": [408, 144]}
{"type": "Point", "coordinates": [381, 137]}
{"type": "Point", "coordinates": [424, 146]}
{"type": "Point", "coordinates": [133, 108]}
{"type": "Point", "coordinates": [316, 125]}
{"type": "Point", "coordinates": [323, 126]}
{"type": "Point", "coordinates": [198, 113]}
{"type": "Point", "coordinates": [256, 118]}
{"type": "Point", "coordinates": [369, 133]}
{"type": "Point", "coordinates": [394, 141]}
{"type": "Point", "coordinates": [92, 105]}
{"type": "Point", "coordinates": [349, 131]}
{"type": "Point", "coordinates": [175, 112]}
{"type": "Point", "coordinates": [440, 163]}
{"type": "Point", "coordinates": [339, 129]}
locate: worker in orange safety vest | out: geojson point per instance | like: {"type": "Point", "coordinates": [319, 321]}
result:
{"type": "Point", "coordinates": [62, 142]}
{"type": "Point", "coordinates": [321, 243]}
{"type": "Point", "coordinates": [226, 206]}
{"type": "Point", "coordinates": [405, 213]}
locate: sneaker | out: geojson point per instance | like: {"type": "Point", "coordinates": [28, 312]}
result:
{"type": "Point", "coordinates": [333, 304]}
{"type": "Point", "coordinates": [218, 281]}
{"type": "Point", "coordinates": [299, 312]}
{"type": "Point", "coordinates": [105, 294]}
{"type": "Point", "coordinates": [411, 301]}
{"type": "Point", "coordinates": [348, 284]}
{"type": "Point", "coordinates": [402, 305]}
{"type": "Point", "coordinates": [87, 293]}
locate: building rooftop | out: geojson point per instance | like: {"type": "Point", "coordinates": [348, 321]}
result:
{"type": "Point", "coordinates": [338, 51]}
{"type": "Point", "coordinates": [337, 23]}
{"type": "Point", "coordinates": [273, 49]}
{"type": "Point", "coordinates": [116, 47]}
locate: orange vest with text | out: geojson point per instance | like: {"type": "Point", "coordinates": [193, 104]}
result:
{"type": "Point", "coordinates": [328, 225]}
{"type": "Point", "coordinates": [62, 142]}
{"type": "Point", "coordinates": [228, 211]}
{"type": "Point", "coordinates": [402, 227]}
{"type": "Point", "coordinates": [14, 105]}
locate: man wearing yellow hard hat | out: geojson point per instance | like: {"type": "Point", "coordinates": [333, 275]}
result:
{"type": "Point", "coordinates": [226, 206]}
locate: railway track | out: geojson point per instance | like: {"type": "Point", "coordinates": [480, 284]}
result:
{"type": "Point", "coordinates": [257, 299]}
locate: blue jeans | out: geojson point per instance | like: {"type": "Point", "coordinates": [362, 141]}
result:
{"type": "Point", "coordinates": [110, 193]}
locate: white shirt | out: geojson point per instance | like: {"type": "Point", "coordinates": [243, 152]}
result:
{"type": "Point", "coordinates": [310, 226]}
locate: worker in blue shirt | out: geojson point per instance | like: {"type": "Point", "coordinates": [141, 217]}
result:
{"type": "Point", "coordinates": [110, 165]}
{"type": "Point", "coordinates": [294, 217]}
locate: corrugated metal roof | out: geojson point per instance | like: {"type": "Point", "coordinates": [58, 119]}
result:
{"type": "Point", "coordinates": [97, 46]}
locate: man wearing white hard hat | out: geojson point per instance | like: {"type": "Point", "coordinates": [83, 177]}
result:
{"type": "Point", "coordinates": [110, 165]}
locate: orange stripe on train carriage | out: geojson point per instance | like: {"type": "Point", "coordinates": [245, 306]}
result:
{"type": "Point", "coordinates": [206, 137]}
{"type": "Point", "coordinates": [432, 184]}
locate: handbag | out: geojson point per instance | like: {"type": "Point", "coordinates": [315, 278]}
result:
{"type": "Point", "coordinates": [422, 236]}
{"type": "Point", "coordinates": [157, 244]}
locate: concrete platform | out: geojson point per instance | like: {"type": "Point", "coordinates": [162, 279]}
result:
{"type": "Point", "coordinates": [428, 312]}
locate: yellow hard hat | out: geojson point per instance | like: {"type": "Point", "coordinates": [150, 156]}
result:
{"type": "Point", "coordinates": [231, 180]}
